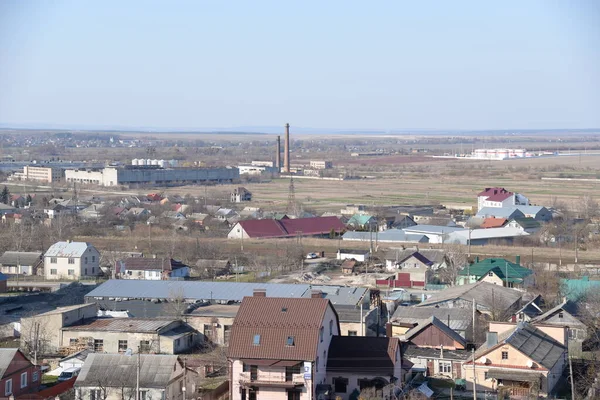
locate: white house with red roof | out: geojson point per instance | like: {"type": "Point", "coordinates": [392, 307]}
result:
{"type": "Point", "coordinates": [499, 197]}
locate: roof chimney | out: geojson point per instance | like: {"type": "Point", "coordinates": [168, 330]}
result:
{"type": "Point", "coordinates": [491, 339]}
{"type": "Point", "coordinates": [518, 260]}
{"type": "Point", "coordinates": [316, 294]}
{"type": "Point", "coordinates": [260, 293]}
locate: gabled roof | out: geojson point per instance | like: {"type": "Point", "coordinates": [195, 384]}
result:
{"type": "Point", "coordinates": [115, 370]}
{"type": "Point", "coordinates": [271, 228]}
{"type": "Point", "coordinates": [438, 324]}
{"type": "Point", "coordinates": [500, 266]}
{"type": "Point", "coordinates": [532, 308]}
{"type": "Point", "coordinates": [436, 256]}
{"type": "Point", "coordinates": [530, 341]}
{"type": "Point", "coordinates": [493, 222]}
{"type": "Point", "coordinates": [456, 318]}
{"type": "Point", "coordinates": [6, 357]}
{"type": "Point", "coordinates": [67, 249]}
{"type": "Point", "coordinates": [272, 321]}
{"type": "Point", "coordinates": [527, 222]}
{"type": "Point", "coordinates": [149, 264]}
{"type": "Point", "coordinates": [363, 355]}
{"type": "Point", "coordinates": [486, 294]}
{"type": "Point", "coordinates": [491, 191]}
{"type": "Point", "coordinates": [500, 212]}
{"type": "Point", "coordinates": [567, 306]}
{"type": "Point", "coordinates": [20, 258]}
{"type": "Point", "coordinates": [136, 325]}
{"type": "Point", "coordinates": [390, 236]}
{"type": "Point", "coordinates": [500, 196]}
{"type": "Point", "coordinates": [433, 229]}
{"type": "Point", "coordinates": [419, 257]}
{"type": "Point", "coordinates": [576, 289]}
{"type": "Point", "coordinates": [360, 219]}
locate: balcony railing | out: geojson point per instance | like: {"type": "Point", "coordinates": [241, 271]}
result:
{"type": "Point", "coordinates": [268, 378]}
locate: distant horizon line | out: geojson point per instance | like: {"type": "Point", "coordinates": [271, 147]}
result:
{"type": "Point", "coordinates": [279, 129]}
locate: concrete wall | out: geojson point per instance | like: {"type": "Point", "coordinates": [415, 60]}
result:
{"type": "Point", "coordinates": [217, 325]}
{"type": "Point", "coordinates": [84, 176]}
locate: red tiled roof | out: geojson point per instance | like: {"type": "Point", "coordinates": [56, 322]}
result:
{"type": "Point", "coordinates": [492, 191]}
{"type": "Point", "coordinates": [265, 228]}
{"type": "Point", "coordinates": [275, 319]}
{"type": "Point", "coordinates": [51, 392]}
{"type": "Point", "coordinates": [494, 222]}
{"type": "Point", "coordinates": [500, 196]}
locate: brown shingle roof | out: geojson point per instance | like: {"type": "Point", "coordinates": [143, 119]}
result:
{"type": "Point", "coordinates": [275, 319]}
{"type": "Point", "coordinates": [362, 354]}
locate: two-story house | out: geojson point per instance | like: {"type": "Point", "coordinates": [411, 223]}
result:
{"type": "Point", "coordinates": [116, 376]}
{"type": "Point", "coordinates": [518, 360]}
{"type": "Point", "coordinates": [278, 347]}
{"type": "Point", "coordinates": [71, 260]}
{"type": "Point", "coordinates": [566, 314]}
{"type": "Point", "coordinates": [18, 375]}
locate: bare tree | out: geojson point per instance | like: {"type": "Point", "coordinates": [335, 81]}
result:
{"type": "Point", "coordinates": [588, 207]}
{"type": "Point", "coordinates": [456, 260]}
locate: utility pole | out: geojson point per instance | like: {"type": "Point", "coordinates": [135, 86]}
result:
{"type": "Point", "coordinates": [474, 376]}
{"type": "Point", "coordinates": [137, 375]}
{"type": "Point", "coordinates": [184, 389]}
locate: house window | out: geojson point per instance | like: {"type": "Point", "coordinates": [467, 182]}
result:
{"type": "Point", "coordinates": [35, 376]}
{"type": "Point", "coordinates": [144, 346]}
{"type": "Point", "coordinates": [93, 258]}
{"type": "Point", "coordinates": [208, 331]}
{"type": "Point", "coordinates": [53, 272]}
{"type": "Point", "coordinates": [122, 346]}
{"type": "Point", "coordinates": [561, 315]}
{"type": "Point", "coordinates": [293, 395]}
{"type": "Point", "coordinates": [317, 365]}
{"type": "Point", "coordinates": [98, 345]}
{"type": "Point", "coordinates": [71, 272]}
{"type": "Point", "coordinates": [8, 387]}
{"type": "Point", "coordinates": [290, 371]}
{"type": "Point", "coordinates": [573, 334]}
{"type": "Point", "coordinates": [86, 260]}
{"type": "Point", "coordinates": [52, 260]}
{"type": "Point", "coordinates": [485, 375]}
{"type": "Point", "coordinates": [505, 355]}
{"type": "Point", "coordinates": [85, 271]}
{"type": "Point", "coordinates": [177, 341]}
{"type": "Point", "coordinates": [226, 333]}
{"type": "Point", "coordinates": [252, 394]}
{"type": "Point", "coordinates": [72, 342]}
{"type": "Point", "coordinates": [290, 341]}
{"type": "Point", "coordinates": [352, 333]}
{"type": "Point", "coordinates": [444, 367]}
{"type": "Point", "coordinates": [321, 334]}
{"type": "Point", "coordinates": [256, 340]}
{"type": "Point", "coordinates": [71, 260]}
{"type": "Point", "coordinates": [93, 270]}
{"type": "Point", "coordinates": [143, 394]}
{"type": "Point", "coordinates": [331, 328]}
{"type": "Point", "coordinates": [340, 385]}
{"type": "Point", "coordinates": [96, 394]}
{"type": "Point", "coordinates": [490, 273]}
{"type": "Point", "coordinates": [23, 380]}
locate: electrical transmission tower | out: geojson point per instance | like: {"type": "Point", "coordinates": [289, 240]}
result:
{"type": "Point", "coordinates": [292, 206]}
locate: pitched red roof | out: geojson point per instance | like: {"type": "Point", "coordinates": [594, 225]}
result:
{"type": "Point", "coordinates": [494, 222]}
{"type": "Point", "coordinates": [492, 191]}
{"type": "Point", "coordinates": [275, 319]}
{"type": "Point", "coordinates": [51, 392]}
{"type": "Point", "coordinates": [500, 196]}
{"type": "Point", "coordinates": [270, 228]}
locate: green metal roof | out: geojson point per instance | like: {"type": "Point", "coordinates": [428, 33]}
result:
{"type": "Point", "coordinates": [359, 219]}
{"type": "Point", "coordinates": [574, 289]}
{"type": "Point", "coordinates": [499, 266]}
{"type": "Point", "coordinates": [528, 222]}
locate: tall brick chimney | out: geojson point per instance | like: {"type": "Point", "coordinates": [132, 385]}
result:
{"type": "Point", "coordinates": [278, 154]}
{"type": "Point", "coordinates": [286, 151]}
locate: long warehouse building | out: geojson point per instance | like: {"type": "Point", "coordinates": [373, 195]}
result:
{"type": "Point", "coordinates": [131, 175]}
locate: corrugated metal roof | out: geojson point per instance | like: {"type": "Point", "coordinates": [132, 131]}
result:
{"type": "Point", "coordinates": [438, 324]}
{"type": "Point", "coordinates": [432, 229]}
{"type": "Point", "coordinates": [67, 249]}
{"type": "Point", "coordinates": [460, 318]}
{"type": "Point", "coordinates": [339, 294]}
{"type": "Point", "coordinates": [121, 325]}
{"type": "Point", "coordinates": [6, 357]}
{"type": "Point", "coordinates": [21, 258]}
{"type": "Point", "coordinates": [390, 235]}
{"type": "Point", "coordinates": [115, 370]}
{"type": "Point", "coordinates": [363, 355]}
{"type": "Point", "coordinates": [486, 294]}
{"type": "Point", "coordinates": [193, 290]}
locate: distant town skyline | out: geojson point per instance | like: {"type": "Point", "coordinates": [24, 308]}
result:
{"type": "Point", "coordinates": [336, 65]}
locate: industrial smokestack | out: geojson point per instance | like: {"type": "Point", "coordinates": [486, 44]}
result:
{"type": "Point", "coordinates": [278, 154]}
{"type": "Point", "coordinates": [286, 151]}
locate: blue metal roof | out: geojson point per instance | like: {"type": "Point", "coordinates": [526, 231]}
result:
{"type": "Point", "coordinates": [193, 290]}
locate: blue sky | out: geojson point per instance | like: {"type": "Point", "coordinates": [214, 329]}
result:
{"type": "Point", "coordinates": [321, 64]}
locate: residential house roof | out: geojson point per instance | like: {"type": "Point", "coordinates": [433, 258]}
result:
{"type": "Point", "coordinates": [491, 191]}
{"type": "Point", "coordinates": [532, 308]}
{"type": "Point", "coordinates": [458, 319]}
{"type": "Point", "coordinates": [527, 222]}
{"type": "Point", "coordinates": [354, 251]}
{"type": "Point", "coordinates": [149, 264]}
{"type": "Point", "coordinates": [20, 258]}
{"type": "Point", "coordinates": [272, 321]}
{"type": "Point", "coordinates": [116, 370]}
{"type": "Point", "coordinates": [6, 357]}
{"type": "Point", "coordinates": [500, 196]}
{"type": "Point", "coordinates": [568, 306]}
{"type": "Point", "coordinates": [271, 228]}
{"type": "Point", "coordinates": [438, 324]}
{"type": "Point", "coordinates": [436, 256]}
{"type": "Point", "coordinates": [530, 341]}
{"type": "Point", "coordinates": [389, 236]}
{"type": "Point", "coordinates": [133, 325]}
{"type": "Point", "coordinates": [493, 222]}
{"type": "Point", "coordinates": [433, 229]}
{"type": "Point", "coordinates": [500, 212]}
{"type": "Point", "coordinates": [363, 355]}
{"type": "Point", "coordinates": [576, 289]}
{"type": "Point", "coordinates": [241, 190]}
{"type": "Point", "coordinates": [463, 237]}
{"type": "Point", "coordinates": [531, 210]}
{"type": "Point", "coordinates": [501, 267]}
{"type": "Point", "coordinates": [80, 355]}
{"type": "Point", "coordinates": [410, 350]}
{"type": "Point", "coordinates": [349, 295]}
{"type": "Point", "coordinates": [217, 310]}
{"type": "Point", "coordinates": [67, 249]}
{"type": "Point", "coordinates": [360, 220]}
{"type": "Point", "coordinates": [485, 294]}
{"type": "Point", "coordinates": [419, 257]}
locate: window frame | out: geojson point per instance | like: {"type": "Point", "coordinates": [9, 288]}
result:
{"type": "Point", "coordinates": [23, 381]}
{"type": "Point", "coordinates": [71, 261]}
{"type": "Point", "coordinates": [504, 355]}
{"type": "Point", "coordinates": [98, 345]}
{"type": "Point", "coordinates": [7, 385]}
{"type": "Point", "coordinates": [120, 345]}
{"type": "Point", "coordinates": [256, 340]}
{"type": "Point", "coordinates": [35, 376]}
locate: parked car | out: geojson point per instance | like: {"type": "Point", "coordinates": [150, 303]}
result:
{"type": "Point", "coordinates": [311, 256]}
{"type": "Point", "coordinates": [68, 374]}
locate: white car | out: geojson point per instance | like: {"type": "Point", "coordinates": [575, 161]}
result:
{"type": "Point", "coordinates": [311, 256]}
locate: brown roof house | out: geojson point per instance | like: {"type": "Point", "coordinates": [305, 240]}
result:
{"type": "Point", "coordinates": [519, 360]}
{"type": "Point", "coordinates": [151, 268]}
{"type": "Point", "coordinates": [278, 347]}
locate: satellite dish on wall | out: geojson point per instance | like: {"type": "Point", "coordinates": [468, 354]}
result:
{"type": "Point", "coordinates": [128, 352]}
{"type": "Point", "coordinates": [530, 364]}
